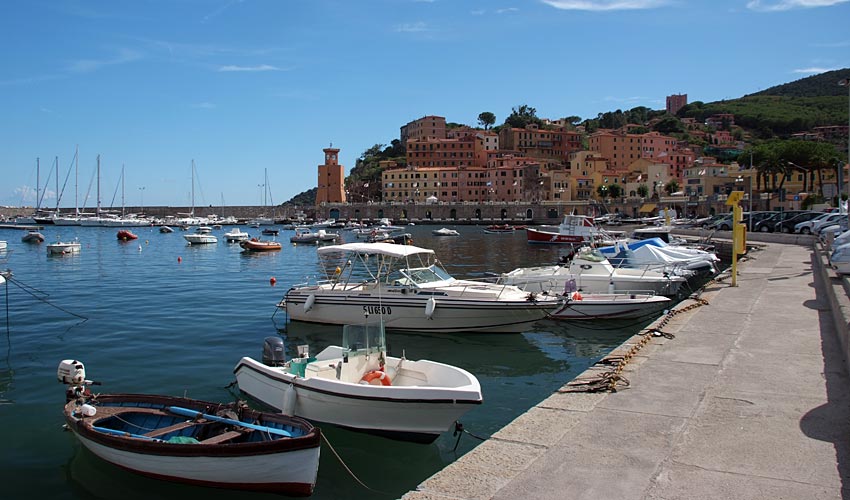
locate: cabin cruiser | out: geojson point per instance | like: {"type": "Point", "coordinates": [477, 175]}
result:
{"type": "Point", "coordinates": [574, 230]}
{"type": "Point", "coordinates": [412, 291]}
{"type": "Point", "coordinates": [590, 272]}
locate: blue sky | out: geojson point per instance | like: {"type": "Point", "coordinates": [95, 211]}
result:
{"type": "Point", "coordinates": [241, 86]}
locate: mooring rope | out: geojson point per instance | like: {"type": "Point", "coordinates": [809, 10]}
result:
{"type": "Point", "coordinates": [27, 289]}
{"type": "Point", "coordinates": [325, 439]}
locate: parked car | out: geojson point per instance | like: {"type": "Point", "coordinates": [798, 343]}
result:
{"type": "Point", "coordinates": [830, 224]}
{"type": "Point", "coordinates": [807, 227]}
{"type": "Point", "coordinates": [787, 226]}
{"type": "Point", "coordinates": [768, 225]}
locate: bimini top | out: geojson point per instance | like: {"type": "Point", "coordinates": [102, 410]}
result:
{"type": "Point", "coordinates": [389, 249]}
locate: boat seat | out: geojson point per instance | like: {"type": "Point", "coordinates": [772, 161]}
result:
{"type": "Point", "coordinates": [172, 428]}
{"type": "Point", "coordinates": [225, 436]}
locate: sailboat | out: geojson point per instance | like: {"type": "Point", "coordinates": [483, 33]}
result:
{"type": "Point", "coordinates": [98, 219]}
{"type": "Point", "coordinates": [71, 220]}
{"type": "Point", "coordinates": [30, 219]}
{"type": "Point", "coordinates": [125, 220]}
{"type": "Point", "coordinates": [44, 217]}
{"type": "Point", "coordinates": [191, 220]}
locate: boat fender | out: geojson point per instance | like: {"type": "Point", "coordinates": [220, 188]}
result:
{"type": "Point", "coordinates": [289, 399]}
{"type": "Point", "coordinates": [430, 306]}
{"type": "Point", "coordinates": [88, 410]}
{"type": "Point", "coordinates": [376, 374]}
{"type": "Point", "coordinates": [577, 296]}
{"type": "Point", "coordinates": [308, 304]}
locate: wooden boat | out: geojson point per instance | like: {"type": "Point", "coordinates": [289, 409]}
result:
{"type": "Point", "coordinates": [126, 235]}
{"type": "Point", "coordinates": [224, 445]}
{"type": "Point", "coordinates": [33, 237]}
{"type": "Point", "coordinates": [499, 229]}
{"type": "Point", "coordinates": [255, 245]}
{"type": "Point", "coordinates": [360, 387]}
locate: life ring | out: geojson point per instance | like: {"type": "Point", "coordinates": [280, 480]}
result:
{"type": "Point", "coordinates": [577, 296]}
{"type": "Point", "coordinates": [376, 374]}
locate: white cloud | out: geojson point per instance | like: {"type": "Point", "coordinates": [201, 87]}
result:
{"type": "Point", "coordinates": [88, 65]}
{"type": "Point", "coordinates": [780, 5]}
{"type": "Point", "coordinates": [605, 5]}
{"type": "Point", "coordinates": [220, 10]}
{"type": "Point", "coordinates": [411, 27]}
{"type": "Point", "coordinates": [261, 67]}
{"type": "Point", "coordinates": [813, 71]}
{"type": "Point", "coordinates": [505, 11]}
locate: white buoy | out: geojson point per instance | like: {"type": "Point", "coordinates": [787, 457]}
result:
{"type": "Point", "coordinates": [308, 304]}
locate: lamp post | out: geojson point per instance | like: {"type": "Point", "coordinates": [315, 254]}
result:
{"type": "Point", "coordinates": [142, 197]}
{"type": "Point", "coordinates": [844, 83]}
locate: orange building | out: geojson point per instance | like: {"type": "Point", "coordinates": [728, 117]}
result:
{"type": "Point", "coordinates": [676, 102]}
{"type": "Point", "coordinates": [540, 143]}
{"type": "Point", "coordinates": [427, 126]}
{"type": "Point", "coordinates": [435, 152]}
{"type": "Point", "coordinates": [622, 149]}
{"type": "Point", "coordinates": [331, 179]}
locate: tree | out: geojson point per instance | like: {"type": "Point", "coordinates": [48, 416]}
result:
{"type": "Point", "coordinates": [669, 125]}
{"type": "Point", "coordinates": [521, 116]}
{"type": "Point", "coordinates": [486, 119]}
{"type": "Point", "coordinates": [615, 190]}
{"type": "Point", "coordinates": [643, 190]}
{"type": "Point", "coordinates": [602, 191]}
{"type": "Point", "coordinates": [671, 187]}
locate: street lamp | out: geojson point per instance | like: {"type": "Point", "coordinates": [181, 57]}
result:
{"type": "Point", "coordinates": [142, 196]}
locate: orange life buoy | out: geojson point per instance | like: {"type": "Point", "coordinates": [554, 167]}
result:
{"type": "Point", "coordinates": [577, 296]}
{"type": "Point", "coordinates": [376, 374]}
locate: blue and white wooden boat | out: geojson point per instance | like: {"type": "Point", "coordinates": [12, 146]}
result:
{"type": "Point", "coordinates": [224, 445]}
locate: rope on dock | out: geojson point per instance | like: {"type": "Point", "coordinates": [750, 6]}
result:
{"type": "Point", "coordinates": [611, 379]}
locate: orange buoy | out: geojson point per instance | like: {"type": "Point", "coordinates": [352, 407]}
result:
{"type": "Point", "coordinates": [272, 281]}
{"type": "Point", "coordinates": [379, 375]}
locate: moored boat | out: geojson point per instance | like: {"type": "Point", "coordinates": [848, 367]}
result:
{"type": "Point", "coordinates": [499, 229]}
{"type": "Point", "coordinates": [304, 234]}
{"type": "Point", "coordinates": [360, 387]}
{"type": "Point", "coordinates": [412, 291]}
{"type": "Point", "coordinates": [236, 235]}
{"type": "Point", "coordinates": [32, 237]}
{"type": "Point", "coordinates": [202, 235]}
{"type": "Point", "coordinates": [165, 229]}
{"type": "Point", "coordinates": [585, 306]}
{"type": "Point", "coordinates": [224, 445]}
{"type": "Point", "coordinates": [126, 235]}
{"type": "Point", "coordinates": [256, 245]}
{"type": "Point", "coordinates": [444, 231]}
{"type": "Point", "coordinates": [64, 248]}
{"type": "Point", "coordinates": [574, 230]}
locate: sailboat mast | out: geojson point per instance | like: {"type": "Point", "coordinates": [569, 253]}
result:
{"type": "Point", "coordinates": [122, 190]}
{"type": "Point", "coordinates": [193, 187]}
{"type": "Point", "coordinates": [57, 183]}
{"type": "Point", "coordinates": [76, 179]}
{"type": "Point", "coordinates": [37, 183]}
{"type": "Point", "coordinates": [97, 210]}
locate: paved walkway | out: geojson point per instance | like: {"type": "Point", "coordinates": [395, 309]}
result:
{"type": "Point", "coordinates": [749, 400]}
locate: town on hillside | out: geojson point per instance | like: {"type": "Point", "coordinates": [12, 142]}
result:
{"type": "Point", "coordinates": [560, 162]}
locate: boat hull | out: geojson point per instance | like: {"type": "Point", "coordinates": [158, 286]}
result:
{"type": "Point", "coordinates": [418, 414]}
{"type": "Point", "coordinates": [538, 236]}
{"type": "Point", "coordinates": [63, 248]}
{"type": "Point", "coordinates": [281, 466]}
{"type": "Point", "coordinates": [408, 311]}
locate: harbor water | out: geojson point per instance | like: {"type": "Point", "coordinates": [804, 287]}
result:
{"type": "Point", "coordinates": [156, 315]}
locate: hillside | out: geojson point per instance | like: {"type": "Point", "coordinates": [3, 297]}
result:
{"type": "Point", "coordinates": [822, 85]}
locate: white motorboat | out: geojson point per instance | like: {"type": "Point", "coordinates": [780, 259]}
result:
{"type": "Point", "coordinates": [360, 387]}
{"type": "Point", "coordinates": [202, 235]}
{"type": "Point", "coordinates": [236, 235]}
{"type": "Point", "coordinates": [444, 231]}
{"type": "Point", "coordinates": [408, 286]}
{"type": "Point", "coordinates": [64, 248]}
{"type": "Point", "coordinates": [656, 254]}
{"type": "Point", "coordinates": [32, 236]}
{"type": "Point", "coordinates": [581, 306]}
{"type": "Point", "coordinates": [304, 234]}
{"type": "Point", "coordinates": [590, 272]}
{"type": "Point", "coordinates": [2, 245]}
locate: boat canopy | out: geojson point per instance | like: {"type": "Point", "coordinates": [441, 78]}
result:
{"type": "Point", "coordinates": [388, 249]}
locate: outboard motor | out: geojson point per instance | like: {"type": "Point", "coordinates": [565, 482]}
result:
{"type": "Point", "coordinates": [273, 351]}
{"type": "Point", "coordinates": [72, 373]}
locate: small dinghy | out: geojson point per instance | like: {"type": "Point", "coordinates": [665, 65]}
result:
{"type": "Point", "coordinates": [255, 245]}
{"type": "Point", "coordinates": [32, 237]}
{"type": "Point", "coordinates": [165, 229]}
{"type": "Point", "coordinates": [610, 306]}
{"type": "Point", "coordinates": [224, 445]}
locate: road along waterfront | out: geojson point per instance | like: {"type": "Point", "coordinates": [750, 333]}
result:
{"type": "Point", "coordinates": [745, 397]}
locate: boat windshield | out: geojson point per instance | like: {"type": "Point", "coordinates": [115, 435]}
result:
{"type": "Point", "coordinates": [365, 339]}
{"type": "Point", "coordinates": [423, 275]}
{"type": "Point", "coordinates": [591, 254]}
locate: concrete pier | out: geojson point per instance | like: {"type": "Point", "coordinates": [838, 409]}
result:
{"type": "Point", "coordinates": [746, 397]}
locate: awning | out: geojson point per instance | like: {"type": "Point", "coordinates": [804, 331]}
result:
{"type": "Point", "coordinates": [647, 208]}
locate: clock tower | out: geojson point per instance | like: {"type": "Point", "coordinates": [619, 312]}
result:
{"type": "Point", "coordinates": [331, 178]}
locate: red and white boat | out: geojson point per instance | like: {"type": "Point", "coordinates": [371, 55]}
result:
{"type": "Point", "coordinates": [255, 245]}
{"type": "Point", "coordinates": [574, 230]}
{"type": "Point", "coordinates": [126, 235]}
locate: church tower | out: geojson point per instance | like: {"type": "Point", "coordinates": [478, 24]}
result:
{"type": "Point", "coordinates": [331, 178]}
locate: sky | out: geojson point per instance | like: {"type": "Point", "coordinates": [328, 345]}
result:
{"type": "Point", "coordinates": [251, 91]}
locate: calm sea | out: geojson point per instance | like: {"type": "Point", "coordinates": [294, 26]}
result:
{"type": "Point", "coordinates": [156, 315]}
